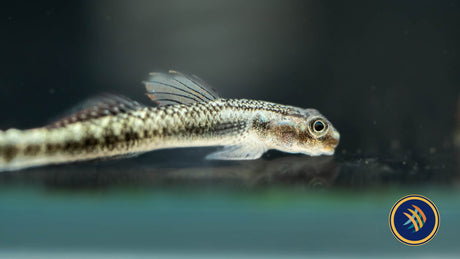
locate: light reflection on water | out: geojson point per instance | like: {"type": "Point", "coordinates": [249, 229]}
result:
{"type": "Point", "coordinates": [274, 170]}
{"type": "Point", "coordinates": [279, 205]}
{"type": "Point", "coordinates": [296, 170]}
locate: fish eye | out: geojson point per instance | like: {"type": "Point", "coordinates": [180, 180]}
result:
{"type": "Point", "coordinates": [318, 126]}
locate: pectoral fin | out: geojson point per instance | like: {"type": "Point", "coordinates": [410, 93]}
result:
{"type": "Point", "coordinates": [244, 151]}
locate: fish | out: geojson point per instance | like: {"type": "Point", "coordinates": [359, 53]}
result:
{"type": "Point", "coordinates": [186, 112]}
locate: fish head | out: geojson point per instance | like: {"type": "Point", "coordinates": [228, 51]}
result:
{"type": "Point", "coordinates": [304, 131]}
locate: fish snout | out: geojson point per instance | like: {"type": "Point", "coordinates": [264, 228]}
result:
{"type": "Point", "coordinates": [334, 138]}
{"type": "Point", "coordinates": [336, 135]}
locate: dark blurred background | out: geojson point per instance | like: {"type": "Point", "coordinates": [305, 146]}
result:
{"type": "Point", "coordinates": [386, 73]}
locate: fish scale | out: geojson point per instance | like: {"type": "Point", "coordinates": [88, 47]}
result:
{"type": "Point", "coordinates": [114, 126]}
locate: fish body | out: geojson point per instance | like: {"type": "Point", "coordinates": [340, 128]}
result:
{"type": "Point", "coordinates": [188, 114]}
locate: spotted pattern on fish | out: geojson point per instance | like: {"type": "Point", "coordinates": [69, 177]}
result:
{"type": "Point", "coordinates": [113, 126]}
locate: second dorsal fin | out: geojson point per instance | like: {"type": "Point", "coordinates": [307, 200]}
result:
{"type": "Point", "coordinates": [96, 107]}
{"type": "Point", "coordinates": [178, 88]}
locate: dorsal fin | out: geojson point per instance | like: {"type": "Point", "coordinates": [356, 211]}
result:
{"type": "Point", "coordinates": [178, 88]}
{"type": "Point", "coordinates": [97, 107]}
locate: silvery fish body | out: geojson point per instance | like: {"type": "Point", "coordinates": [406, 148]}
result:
{"type": "Point", "coordinates": [188, 113]}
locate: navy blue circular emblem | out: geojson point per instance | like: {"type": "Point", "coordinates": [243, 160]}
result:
{"type": "Point", "coordinates": [414, 220]}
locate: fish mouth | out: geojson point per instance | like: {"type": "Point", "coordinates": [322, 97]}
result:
{"type": "Point", "coordinates": [334, 139]}
{"type": "Point", "coordinates": [336, 135]}
{"type": "Point", "coordinates": [330, 142]}
{"type": "Point", "coordinates": [327, 151]}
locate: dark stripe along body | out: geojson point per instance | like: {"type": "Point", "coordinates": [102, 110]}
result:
{"type": "Point", "coordinates": [190, 115]}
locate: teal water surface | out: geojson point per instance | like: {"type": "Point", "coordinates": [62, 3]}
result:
{"type": "Point", "coordinates": [290, 205]}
